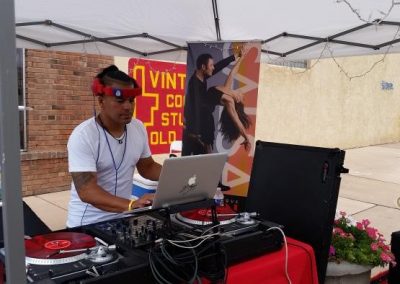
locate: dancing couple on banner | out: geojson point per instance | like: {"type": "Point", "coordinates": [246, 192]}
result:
{"type": "Point", "coordinates": [200, 103]}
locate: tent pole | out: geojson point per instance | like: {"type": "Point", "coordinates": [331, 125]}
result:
{"type": "Point", "coordinates": [13, 225]}
{"type": "Point", "coordinates": [216, 19]}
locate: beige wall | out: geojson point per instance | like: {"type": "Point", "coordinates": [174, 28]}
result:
{"type": "Point", "coordinates": [322, 107]}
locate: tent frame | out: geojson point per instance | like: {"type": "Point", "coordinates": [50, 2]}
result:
{"type": "Point", "coordinates": [332, 38]}
{"type": "Point", "coordinates": [176, 47]}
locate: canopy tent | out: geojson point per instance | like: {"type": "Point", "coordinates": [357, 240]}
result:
{"type": "Point", "coordinates": [295, 30]}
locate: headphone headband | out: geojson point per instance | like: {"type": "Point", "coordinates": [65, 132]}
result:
{"type": "Point", "coordinates": [99, 89]}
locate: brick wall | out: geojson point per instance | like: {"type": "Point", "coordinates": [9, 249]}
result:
{"type": "Point", "coordinates": [58, 90]}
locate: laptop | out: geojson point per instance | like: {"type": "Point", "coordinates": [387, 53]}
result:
{"type": "Point", "coordinates": [187, 179]}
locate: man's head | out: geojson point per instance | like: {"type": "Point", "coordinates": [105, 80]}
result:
{"type": "Point", "coordinates": [116, 93]}
{"type": "Point", "coordinates": [205, 64]}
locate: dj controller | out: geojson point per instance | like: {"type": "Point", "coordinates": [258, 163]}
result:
{"type": "Point", "coordinates": [124, 249]}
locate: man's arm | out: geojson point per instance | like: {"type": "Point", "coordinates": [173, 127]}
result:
{"type": "Point", "coordinates": [148, 168]}
{"type": "Point", "coordinates": [223, 63]}
{"type": "Point", "coordinates": [90, 192]}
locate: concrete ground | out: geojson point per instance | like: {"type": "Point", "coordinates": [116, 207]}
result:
{"type": "Point", "coordinates": [371, 190]}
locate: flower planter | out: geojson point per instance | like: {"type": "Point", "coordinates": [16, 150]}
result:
{"type": "Point", "coordinates": [347, 273]}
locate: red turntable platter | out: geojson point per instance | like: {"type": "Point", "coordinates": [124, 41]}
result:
{"type": "Point", "coordinates": [225, 215]}
{"type": "Point", "coordinates": [47, 246]}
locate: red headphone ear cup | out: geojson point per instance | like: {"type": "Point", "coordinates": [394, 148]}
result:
{"type": "Point", "coordinates": [97, 87]}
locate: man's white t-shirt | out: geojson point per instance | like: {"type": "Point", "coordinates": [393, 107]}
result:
{"type": "Point", "coordinates": [92, 149]}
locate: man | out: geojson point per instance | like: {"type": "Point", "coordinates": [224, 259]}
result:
{"type": "Point", "coordinates": [103, 152]}
{"type": "Point", "coordinates": [198, 132]}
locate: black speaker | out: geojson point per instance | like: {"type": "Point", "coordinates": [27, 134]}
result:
{"type": "Point", "coordinates": [33, 225]}
{"type": "Point", "coordinates": [298, 187]}
{"type": "Point", "coordinates": [394, 272]}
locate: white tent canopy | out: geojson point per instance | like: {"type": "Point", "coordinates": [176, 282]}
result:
{"type": "Point", "coordinates": [96, 23]}
{"type": "Point", "coordinates": [92, 26]}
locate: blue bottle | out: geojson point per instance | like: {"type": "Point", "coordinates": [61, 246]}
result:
{"type": "Point", "coordinates": [219, 197]}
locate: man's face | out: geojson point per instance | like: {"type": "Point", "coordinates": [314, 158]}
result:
{"type": "Point", "coordinates": [119, 110]}
{"type": "Point", "coordinates": [209, 68]}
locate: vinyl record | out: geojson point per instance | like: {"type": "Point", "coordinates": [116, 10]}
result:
{"type": "Point", "coordinates": [225, 215]}
{"type": "Point", "coordinates": [48, 246]}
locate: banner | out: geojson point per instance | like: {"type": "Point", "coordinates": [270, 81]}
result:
{"type": "Point", "coordinates": [160, 107]}
{"type": "Point", "coordinates": [220, 106]}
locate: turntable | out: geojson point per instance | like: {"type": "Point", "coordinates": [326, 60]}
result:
{"type": "Point", "coordinates": [204, 216]}
{"type": "Point", "coordinates": [62, 256]}
{"type": "Point", "coordinates": [230, 222]}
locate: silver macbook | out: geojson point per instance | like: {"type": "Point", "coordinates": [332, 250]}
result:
{"type": "Point", "coordinates": [187, 179]}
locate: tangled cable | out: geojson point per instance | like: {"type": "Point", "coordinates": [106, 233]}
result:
{"type": "Point", "coordinates": [187, 258]}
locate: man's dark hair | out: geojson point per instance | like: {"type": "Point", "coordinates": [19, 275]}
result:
{"type": "Point", "coordinates": [202, 59]}
{"type": "Point", "coordinates": [111, 74]}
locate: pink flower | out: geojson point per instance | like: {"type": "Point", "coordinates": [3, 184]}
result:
{"type": "Point", "coordinates": [332, 250]}
{"type": "Point", "coordinates": [366, 222]}
{"type": "Point", "coordinates": [386, 257]}
{"type": "Point", "coordinates": [384, 247]}
{"type": "Point", "coordinates": [350, 238]}
{"type": "Point", "coordinates": [371, 232]}
{"type": "Point", "coordinates": [338, 231]}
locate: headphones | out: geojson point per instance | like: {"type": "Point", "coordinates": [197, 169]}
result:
{"type": "Point", "coordinates": [99, 89]}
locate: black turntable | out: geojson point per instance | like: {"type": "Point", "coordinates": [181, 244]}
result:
{"type": "Point", "coordinates": [229, 222]}
{"type": "Point", "coordinates": [62, 256]}
{"type": "Point", "coordinates": [242, 235]}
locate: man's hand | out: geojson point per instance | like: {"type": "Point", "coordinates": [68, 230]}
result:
{"type": "Point", "coordinates": [145, 200]}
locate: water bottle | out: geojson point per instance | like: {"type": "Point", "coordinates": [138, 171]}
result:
{"type": "Point", "coordinates": [219, 197]}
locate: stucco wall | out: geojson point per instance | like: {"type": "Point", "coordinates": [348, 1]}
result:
{"type": "Point", "coordinates": [322, 107]}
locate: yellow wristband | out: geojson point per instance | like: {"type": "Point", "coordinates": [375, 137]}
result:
{"type": "Point", "coordinates": [131, 204]}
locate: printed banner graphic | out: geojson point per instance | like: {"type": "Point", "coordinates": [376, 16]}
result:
{"type": "Point", "coordinates": [220, 106]}
{"type": "Point", "coordinates": [160, 107]}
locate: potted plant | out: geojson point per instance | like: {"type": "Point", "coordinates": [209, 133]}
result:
{"type": "Point", "coordinates": [355, 249]}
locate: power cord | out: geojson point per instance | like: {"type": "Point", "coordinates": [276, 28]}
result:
{"type": "Point", "coordinates": [177, 261]}
{"type": "Point", "coordinates": [286, 251]}
{"type": "Point", "coordinates": [187, 262]}
{"type": "Point", "coordinates": [168, 268]}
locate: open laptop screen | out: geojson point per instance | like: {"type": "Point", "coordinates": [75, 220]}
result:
{"type": "Point", "coordinates": [187, 179]}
